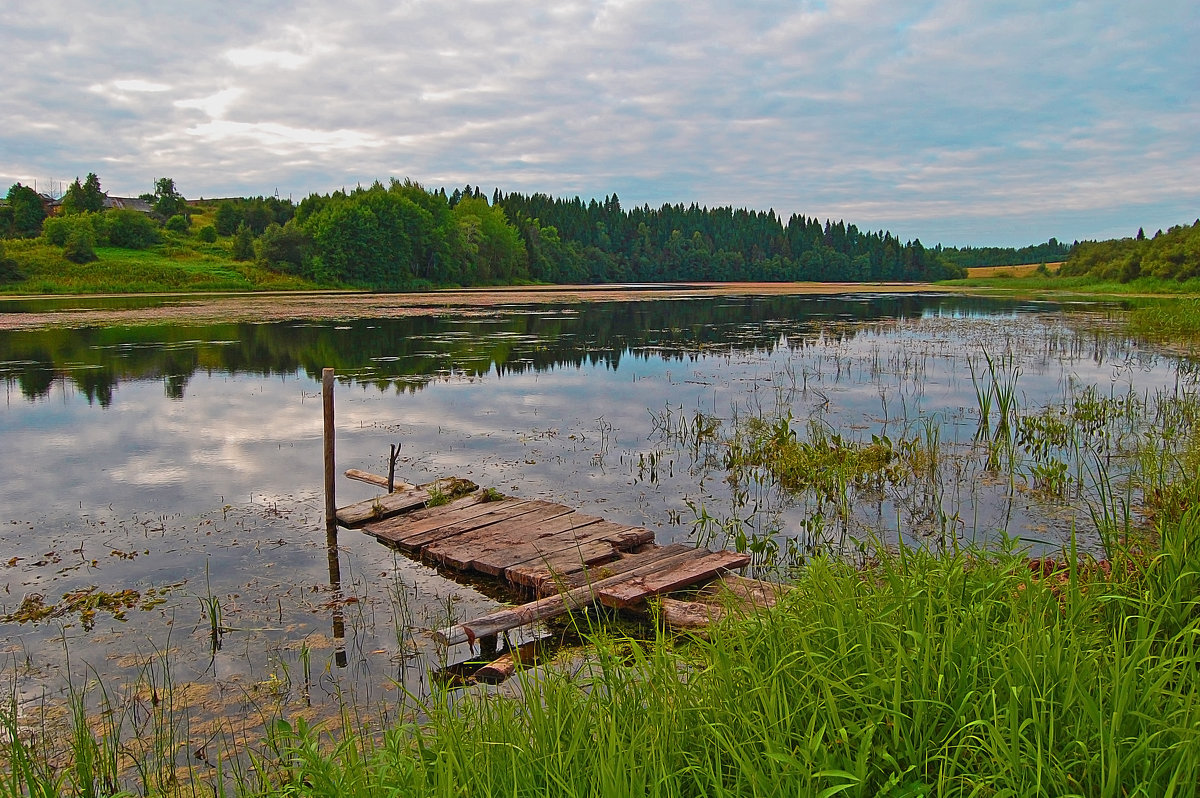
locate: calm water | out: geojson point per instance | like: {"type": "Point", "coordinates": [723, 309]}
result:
{"type": "Point", "coordinates": [184, 462]}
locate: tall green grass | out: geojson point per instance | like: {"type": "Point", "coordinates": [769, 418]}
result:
{"type": "Point", "coordinates": [965, 673]}
{"type": "Point", "coordinates": [959, 674]}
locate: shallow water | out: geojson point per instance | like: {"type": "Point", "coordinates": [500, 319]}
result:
{"type": "Point", "coordinates": [186, 460]}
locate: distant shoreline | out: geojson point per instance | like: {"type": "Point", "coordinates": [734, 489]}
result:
{"type": "Point", "coordinates": [331, 305]}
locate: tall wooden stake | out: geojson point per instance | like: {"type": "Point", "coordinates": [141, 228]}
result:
{"type": "Point", "coordinates": [330, 500]}
{"type": "Point", "coordinates": [331, 535]}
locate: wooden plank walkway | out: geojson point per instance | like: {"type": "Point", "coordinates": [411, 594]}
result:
{"type": "Point", "coordinates": [568, 559]}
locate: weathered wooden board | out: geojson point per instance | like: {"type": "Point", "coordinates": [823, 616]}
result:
{"type": "Point", "coordinates": [377, 480]}
{"type": "Point", "coordinates": [381, 507]}
{"type": "Point", "coordinates": [558, 604]}
{"type": "Point", "coordinates": [631, 591]}
{"type": "Point", "coordinates": [460, 549]}
{"type": "Point", "coordinates": [562, 570]}
{"type": "Point", "coordinates": [623, 563]}
{"type": "Point", "coordinates": [731, 594]}
{"type": "Point", "coordinates": [497, 561]}
{"type": "Point", "coordinates": [426, 533]}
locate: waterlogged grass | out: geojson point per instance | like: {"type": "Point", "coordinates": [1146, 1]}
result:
{"type": "Point", "coordinates": [178, 264]}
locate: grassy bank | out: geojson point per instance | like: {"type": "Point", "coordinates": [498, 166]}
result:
{"type": "Point", "coordinates": [181, 262]}
{"type": "Point", "coordinates": [164, 267]}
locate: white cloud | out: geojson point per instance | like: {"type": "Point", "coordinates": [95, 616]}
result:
{"type": "Point", "coordinates": [939, 117]}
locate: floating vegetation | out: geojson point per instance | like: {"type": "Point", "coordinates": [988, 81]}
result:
{"type": "Point", "coordinates": [86, 603]}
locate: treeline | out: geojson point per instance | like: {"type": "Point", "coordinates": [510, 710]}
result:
{"type": "Point", "coordinates": [573, 241]}
{"type": "Point", "coordinates": [402, 236]}
{"type": "Point", "coordinates": [1173, 255]}
{"type": "Point", "coordinates": [1053, 251]}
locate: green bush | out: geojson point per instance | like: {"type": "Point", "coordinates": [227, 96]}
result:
{"type": "Point", "coordinates": [9, 271]}
{"type": "Point", "coordinates": [80, 246]}
{"type": "Point", "coordinates": [207, 234]}
{"type": "Point", "coordinates": [130, 229]}
{"type": "Point", "coordinates": [58, 229]}
{"type": "Point", "coordinates": [177, 223]}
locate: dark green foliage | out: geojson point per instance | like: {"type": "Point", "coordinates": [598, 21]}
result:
{"type": "Point", "coordinates": [84, 198]}
{"type": "Point", "coordinates": [1053, 251]}
{"type": "Point", "coordinates": [9, 271]}
{"type": "Point", "coordinates": [57, 229]}
{"type": "Point", "coordinates": [129, 229]}
{"type": "Point", "coordinates": [257, 213]}
{"type": "Point", "coordinates": [285, 249]}
{"type": "Point", "coordinates": [1174, 255]}
{"type": "Point", "coordinates": [167, 201]}
{"type": "Point", "coordinates": [207, 234]}
{"type": "Point", "coordinates": [602, 242]}
{"type": "Point", "coordinates": [80, 246]}
{"type": "Point", "coordinates": [177, 223]}
{"type": "Point", "coordinates": [489, 246]}
{"type": "Point", "coordinates": [383, 237]}
{"type": "Point", "coordinates": [27, 211]}
{"type": "Point", "coordinates": [243, 244]}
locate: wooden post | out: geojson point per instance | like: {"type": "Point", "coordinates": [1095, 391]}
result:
{"type": "Point", "coordinates": [331, 524]}
{"type": "Point", "coordinates": [330, 500]}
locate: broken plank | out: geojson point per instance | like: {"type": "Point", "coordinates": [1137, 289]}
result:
{"type": "Point", "coordinates": [629, 592]}
{"type": "Point", "coordinates": [617, 536]}
{"type": "Point", "coordinates": [553, 606]}
{"type": "Point", "coordinates": [377, 480]}
{"type": "Point", "coordinates": [380, 507]}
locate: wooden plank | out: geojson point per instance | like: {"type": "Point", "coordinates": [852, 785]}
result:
{"type": "Point", "coordinates": [623, 564]}
{"type": "Point", "coordinates": [432, 530]}
{"type": "Point", "coordinates": [556, 571]}
{"type": "Point", "coordinates": [462, 551]}
{"type": "Point", "coordinates": [561, 603]}
{"type": "Point", "coordinates": [617, 536]}
{"type": "Point", "coordinates": [521, 533]}
{"type": "Point", "coordinates": [377, 480]}
{"type": "Point", "coordinates": [731, 594]}
{"type": "Point", "coordinates": [410, 532]}
{"type": "Point", "coordinates": [381, 507]}
{"type": "Point", "coordinates": [629, 592]}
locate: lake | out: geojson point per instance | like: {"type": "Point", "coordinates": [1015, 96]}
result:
{"type": "Point", "coordinates": [161, 482]}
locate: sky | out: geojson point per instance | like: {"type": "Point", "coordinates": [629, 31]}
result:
{"type": "Point", "coordinates": [960, 122]}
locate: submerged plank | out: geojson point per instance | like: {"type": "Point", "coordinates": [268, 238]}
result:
{"type": "Point", "coordinates": [381, 507]}
{"type": "Point", "coordinates": [561, 603]}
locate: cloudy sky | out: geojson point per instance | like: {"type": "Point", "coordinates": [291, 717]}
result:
{"type": "Point", "coordinates": [955, 121]}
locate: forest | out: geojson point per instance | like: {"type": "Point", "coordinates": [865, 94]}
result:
{"type": "Point", "coordinates": [1173, 255]}
{"type": "Point", "coordinates": [402, 236]}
